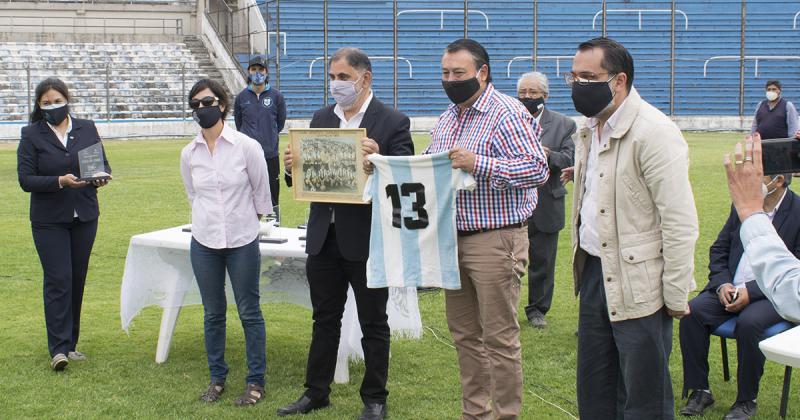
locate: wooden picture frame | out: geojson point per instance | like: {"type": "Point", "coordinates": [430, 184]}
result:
{"type": "Point", "coordinates": [327, 164]}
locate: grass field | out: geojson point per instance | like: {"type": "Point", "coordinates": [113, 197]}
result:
{"type": "Point", "coordinates": [121, 379]}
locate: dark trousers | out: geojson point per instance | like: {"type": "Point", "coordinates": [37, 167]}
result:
{"type": "Point", "coordinates": [623, 366]}
{"type": "Point", "coordinates": [541, 271]}
{"type": "Point", "coordinates": [695, 330]}
{"type": "Point", "coordinates": [328, 276]}
{"type": "Point", "coordinates": [273, 172]}
{"type": "Point", "coordinates": [64, 250]}
{"type": "Point", "coordinates": [243, 265]}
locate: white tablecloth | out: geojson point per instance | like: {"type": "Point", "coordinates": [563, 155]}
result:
{"type": "Point", "coordinates": [158, 272]}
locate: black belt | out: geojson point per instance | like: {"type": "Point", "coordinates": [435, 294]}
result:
{"type": "Point", "coordinates": [511, 226]}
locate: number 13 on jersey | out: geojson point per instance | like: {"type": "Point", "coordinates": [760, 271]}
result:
{"type": "Point", "coordinates": [413, 233]}
{"type": "Point", "coordinates": [417, 205]}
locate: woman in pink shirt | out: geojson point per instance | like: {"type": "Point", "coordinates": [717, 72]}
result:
{"type": "Point", "coordinates": [225, 176]}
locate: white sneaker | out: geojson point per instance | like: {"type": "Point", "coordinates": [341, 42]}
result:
{"type": "Point", "coordinates": [76, 355]}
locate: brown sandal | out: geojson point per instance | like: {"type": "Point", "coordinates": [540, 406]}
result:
{"type": "Point", "coordinates": [213, 392]}
{"type": "Point", "coordinates": [251, 396]}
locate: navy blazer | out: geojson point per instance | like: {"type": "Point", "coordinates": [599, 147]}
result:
{"type": "Point", "coordinates": [727, 250]}
{"type": "Point", "coordinates": [41, 159]}
{"type": "Point", "coordinates": [390, 129]}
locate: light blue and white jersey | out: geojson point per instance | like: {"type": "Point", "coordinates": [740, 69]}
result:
{"type": "Point", "coordinates": [413, 237]}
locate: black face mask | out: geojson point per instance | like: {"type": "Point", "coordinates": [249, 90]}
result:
{"type": "Point", "coordinates": [207, 116]}
{"type": "Point", "coordinates": [57, 115]}
{"type": "Point", "coordinates": [591, 98]}
{"type": "Point", "coordinates": [533, 105]}
{"type": "Point", "coordinates": [460, 90]}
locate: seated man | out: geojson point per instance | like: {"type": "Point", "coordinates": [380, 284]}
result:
{"type": "Point", "coordinates": [732, 291]}
{"type": "Point", "coordinates": [777, 269]}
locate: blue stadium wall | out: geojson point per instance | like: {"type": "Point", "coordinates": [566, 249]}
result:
{"type": "Point", "coordinates": [704, 29]}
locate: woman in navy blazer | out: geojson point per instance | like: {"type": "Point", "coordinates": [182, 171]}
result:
{"type": "Point", "coordinates": [63, 212]}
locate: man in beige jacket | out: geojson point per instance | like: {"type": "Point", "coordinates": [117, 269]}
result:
{"type": "Point", "coordinates": [634, 227]}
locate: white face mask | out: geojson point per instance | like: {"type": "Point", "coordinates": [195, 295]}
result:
{"type": "Point", "coordinates": [765, 191]}
{"type": "Point", "coordinates": [772, 95]}
{"type": "Point", "coordinates": [344, 92]}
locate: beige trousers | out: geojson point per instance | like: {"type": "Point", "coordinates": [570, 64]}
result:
{"type": "Point", "coordinates": [482, 318]}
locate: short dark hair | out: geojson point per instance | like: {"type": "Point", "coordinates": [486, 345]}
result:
{"type": "Point", "coordinates": [216, 88]}
{"type": "Point", "coordinates": [773, 82]}
{"type": "Point", "coordinates": [616, 58]}
{"type": "Point", "coordinates": [51, 83]}
{"type": "Point", "coordinates": [479, 53]}
{"type": "Point", "coordinates": [356, 58]}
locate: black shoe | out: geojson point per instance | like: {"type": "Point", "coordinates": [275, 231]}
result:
{"type": "Point", "coordinates": [697, 403]}
{"type": "Point", "coordinates": [303, 405]}
{"type": "Point", "coordinates": [742, 410]}
{"type": "Point", "coordinates": [373, 411]}
{"type": "Point", "coordinates": [537, 320]}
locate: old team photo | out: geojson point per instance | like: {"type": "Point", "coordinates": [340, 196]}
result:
{"type": "Point", "coordinates": [328, 164]}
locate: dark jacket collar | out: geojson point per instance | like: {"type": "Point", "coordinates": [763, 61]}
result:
{"type": "Point", "coordinates": [786, 208]}
{"type": "Point", "coordinates": [546, 117]}
{"type": "Point", "coordinates": [369, 120]}
{"type": "Point", "coordinates": [48, 133]}
{"type": "Point", "coordinates": [369, 115]}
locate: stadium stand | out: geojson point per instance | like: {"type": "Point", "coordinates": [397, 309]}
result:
{"type": "Point", "coordinates": [135, 80]}
{"type": "Point", "coordinates": [144, 78]}
{"type": "Point", "coordinates": [710, 28]}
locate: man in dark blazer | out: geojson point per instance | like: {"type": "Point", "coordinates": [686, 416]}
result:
{"type": "Point", "coordinates": [732, 291]}
{"type": "Point", "coordinates": [548, 218]}
{"type": "Point", "coordinates": [338, 244]}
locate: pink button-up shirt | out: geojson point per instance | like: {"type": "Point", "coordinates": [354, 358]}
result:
{"type": "Point", "coordinates": [227, 189]}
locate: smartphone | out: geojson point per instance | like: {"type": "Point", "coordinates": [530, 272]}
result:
{"type": "Point", "coordinates": [780, 156]}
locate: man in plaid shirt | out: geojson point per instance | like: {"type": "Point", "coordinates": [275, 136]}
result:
{"type": "Point", "coordinates": [493, 137]}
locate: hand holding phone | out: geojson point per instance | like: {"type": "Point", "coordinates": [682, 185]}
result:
{"type": "Point", "coordinates": [739, 300]}
{"type": "Point", "coordinates": [780, 156]}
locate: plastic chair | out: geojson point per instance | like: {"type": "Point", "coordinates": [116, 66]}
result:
{"type": "Point", "coordinates": [726, 330]}
{"type": "Point", "coordinates": [783, 349]}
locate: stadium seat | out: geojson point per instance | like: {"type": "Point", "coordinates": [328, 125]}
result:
{"type": "Point", "coordinates": [726, 330]}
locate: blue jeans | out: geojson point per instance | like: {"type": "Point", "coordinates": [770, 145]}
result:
{"type": "Point", "coordinates": [244, 267]}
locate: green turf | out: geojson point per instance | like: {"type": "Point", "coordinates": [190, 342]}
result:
{"type": "Point", "coordinates": [121, 379]}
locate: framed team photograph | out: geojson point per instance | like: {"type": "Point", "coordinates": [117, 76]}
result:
{"type": "Point", "coordinates": [327, 164]}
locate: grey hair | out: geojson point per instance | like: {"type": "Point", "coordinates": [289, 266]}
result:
{"type": "Point", "coordinates": [355, 57]}
{"type": "Point", "coordinates": [538, 77]}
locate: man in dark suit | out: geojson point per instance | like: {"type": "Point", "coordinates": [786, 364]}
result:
{"type": "Point", "coordinates": [732, 290]}
{"type": "Point", "coordinates": [548, 218]}
{"type": "Point", "coordinates": [338, 244]}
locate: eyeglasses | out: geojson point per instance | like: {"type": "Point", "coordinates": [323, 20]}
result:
{"type": "Point", "coordinates": [571, 79]}
{"type": "Point", "coordinates": [531, 93]}
{"type": "Point", "coordinates": [207, 101]}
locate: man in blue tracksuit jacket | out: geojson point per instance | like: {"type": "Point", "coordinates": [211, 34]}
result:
{"type": "Point", "coordinates": [260, 112]}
